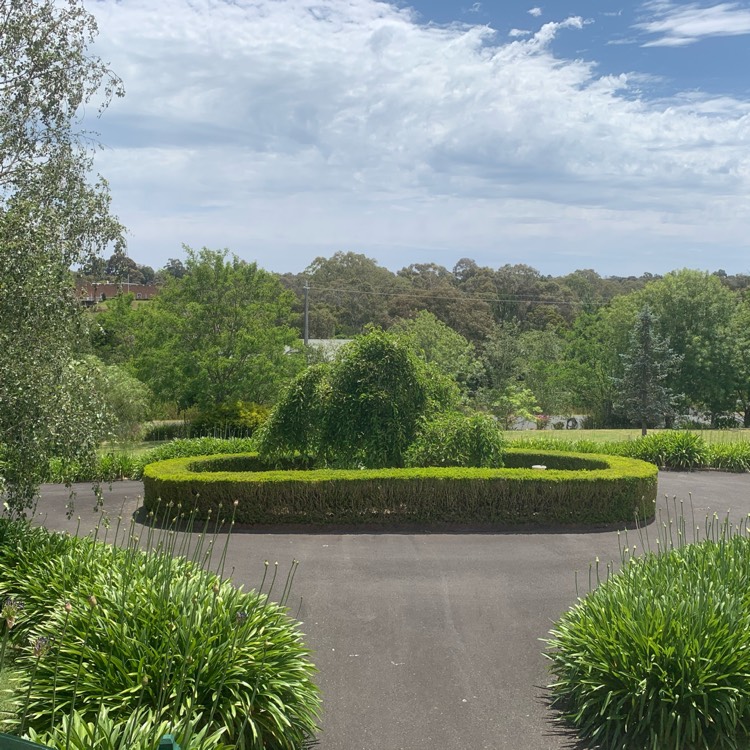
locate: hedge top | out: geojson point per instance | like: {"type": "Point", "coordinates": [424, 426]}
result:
{"type": "Point", "coordinates": [248, 467]}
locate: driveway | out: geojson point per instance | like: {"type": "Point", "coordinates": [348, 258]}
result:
{"type": "Point", "coordinates": [430, 641]}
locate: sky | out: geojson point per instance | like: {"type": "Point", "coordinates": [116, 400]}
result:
{"type": "Point", "coordinates": [575, 134]}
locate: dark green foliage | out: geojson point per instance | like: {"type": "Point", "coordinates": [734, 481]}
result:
{"type": "Point", "coordinates": [455, 439]}
{"type": "Point", "coordinates": [378, 393]}
{"type": "Point", "coordinates": [161, 633]}
{"type": "Point", "coordinates": [522, 459]}
{"type": "Point", "coordinates": [642, 393]}
{"type": "Point", "coordinates": [607, 490]}
{"type": "Point", "coordinates": [658, 655]}
{"type": "Point", "coordinates": [296, 423]}
{"type": "Point", "coordinates": [363, 410]}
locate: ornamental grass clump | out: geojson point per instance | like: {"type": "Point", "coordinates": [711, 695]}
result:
{"type": "Point", "coordinates": [148, 627]}
{"type": "Point", "coordinates": [730, 456]}
{"type": "Point", "coordinates": [658, 655]}
{"type": "Point", "coordinates": [673, 449]}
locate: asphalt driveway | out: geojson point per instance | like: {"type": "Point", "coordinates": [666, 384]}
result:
{"type": "Point", "coordinates": [429, 640]}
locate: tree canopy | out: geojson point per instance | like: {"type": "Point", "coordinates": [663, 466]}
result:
{"type": "Point", "coordinates": [221, 333]}
{"type": "Point", "coordinates": [363, 409]}
{"type": "Point", "coordinates": [52, 216]}
{"type": "Point", "coordinates": [642, 392]}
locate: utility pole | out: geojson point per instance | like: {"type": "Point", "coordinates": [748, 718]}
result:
{"type": "Point", "coordinates": [307, 314]}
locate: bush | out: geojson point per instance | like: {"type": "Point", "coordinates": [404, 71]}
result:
{"type": "Point", "coordinates": [458, 440]}
{"type": "Point", "coordinates": [107, 467]}
{"type": "Point", "coordinates": [658, 655]}
{"type": "Point", "coordinates": [730, 456]}
{"type": "Point", "coordinates": [362, 410]}
{"type": "Point", "coordinates": [150, 630]}
{"type": "Point", "coordinates": [236, 419]}
{"type": "Point", "coordinates": [673, 449]}
{"type": "Point", "coordinates": [142, 731]}
{"type": "Point", "coordinates": [601, 489]}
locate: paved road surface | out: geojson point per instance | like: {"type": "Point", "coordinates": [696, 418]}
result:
{"type": "Point", "coordinates": [430, 641]}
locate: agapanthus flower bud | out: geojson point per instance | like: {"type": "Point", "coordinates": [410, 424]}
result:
{"type": "Point", "coordinates": [10, 611]}
{"type": "Point", "coordinates": [40, 646]}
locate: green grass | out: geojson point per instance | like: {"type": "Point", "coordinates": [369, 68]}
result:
{"type": "Point", "coordinates": [607, 436]}
{"type": "Point", "coordinates": [134, 449]}
{"type": "Point", "coordinates": [9, 680]}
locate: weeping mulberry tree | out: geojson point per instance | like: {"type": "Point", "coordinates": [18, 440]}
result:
{"type": "Point", "coordinates": [53, 215]}
{"type": "Point", "coordinates": [364, 409]}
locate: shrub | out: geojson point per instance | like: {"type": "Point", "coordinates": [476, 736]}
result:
{"type": "Point", "coordinates": [601, 489]}
{"type": "Point", "coordinates": [362, 410]}
{"type": "Point", "coordinates": [107, 467]}
{"type": "Point", "coordinates": [729, 456]}
{"type": "Point", "coordinates": [151, 630]}
{"type": "Point", "coordinates": [673, 449]}
{"type": "Point", "coordinates": [141, 731]}
{"type": "Point", "coordinates": [457, 440]}
{"type": "Point", "coordinates": [296, 422]}
{"type": "Point", "coordinates": [658, 655]}
{"type": "Point", "coordinates": [235, 419]}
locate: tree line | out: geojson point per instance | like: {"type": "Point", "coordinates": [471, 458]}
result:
{"type": "Point", "coordinates": [228, 333]}
{"type": "Point", "coordinates": [223, 335]}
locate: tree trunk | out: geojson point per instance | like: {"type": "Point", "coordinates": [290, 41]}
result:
{"type": "Point", "coordinates": [644, 429]}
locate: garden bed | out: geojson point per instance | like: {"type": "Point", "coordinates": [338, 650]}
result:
{"type": "Point", "coordinates": [574, 489]}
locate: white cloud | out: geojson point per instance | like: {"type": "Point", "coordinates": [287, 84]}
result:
{"type": "Point", "coordinates": [286, 130]}
{"type": "Point", "coordinates": [536, 12]}
{"type": "Point", "coordinates": [516, 33]}
{"type": "Point", "coordinates": [679, 25]}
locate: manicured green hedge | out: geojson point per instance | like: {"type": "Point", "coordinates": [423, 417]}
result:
{"type": "Point", "coordinates": [589, 489]}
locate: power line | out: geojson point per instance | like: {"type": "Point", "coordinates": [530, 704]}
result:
{"type": "Point", "coordinates": [486, 298]}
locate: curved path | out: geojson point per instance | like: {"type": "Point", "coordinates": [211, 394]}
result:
{"type": "Point", "coordinates": [431, 640]}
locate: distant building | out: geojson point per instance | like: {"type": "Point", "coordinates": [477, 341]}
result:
{"type": "Point", "coordinates": [91, 293]}
{"type": "Point", "coordinates": [328, 347]}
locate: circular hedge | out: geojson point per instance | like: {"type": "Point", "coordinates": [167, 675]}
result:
{"type": "Point", "coordinates": [574, 489]}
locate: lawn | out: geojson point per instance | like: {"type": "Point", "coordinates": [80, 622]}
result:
{"type": "Point", "coordinates": [605, 436]}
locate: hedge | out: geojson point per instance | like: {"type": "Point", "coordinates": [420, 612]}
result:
{"type": "Point", "coordinates": [578, 489]}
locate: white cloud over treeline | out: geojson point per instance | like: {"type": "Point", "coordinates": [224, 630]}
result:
{"type": "Point", "coordinates": [289, 129]}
